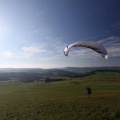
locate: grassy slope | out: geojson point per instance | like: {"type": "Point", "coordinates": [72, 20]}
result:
{"type": "Point", "coordinates": [64, 100]}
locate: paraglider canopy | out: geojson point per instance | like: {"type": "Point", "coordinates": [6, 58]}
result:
{"type": "Point", "coordinates": [89, 44]}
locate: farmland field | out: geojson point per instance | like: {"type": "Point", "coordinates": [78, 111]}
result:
{"type": "Point", "coordinates": [63, 100]}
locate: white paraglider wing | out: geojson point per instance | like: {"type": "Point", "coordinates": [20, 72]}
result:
{"type": "Point", "coordinates": [89, 44]}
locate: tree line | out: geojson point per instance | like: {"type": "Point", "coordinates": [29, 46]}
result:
{"type": "Point", "coordinates": [47, 76]}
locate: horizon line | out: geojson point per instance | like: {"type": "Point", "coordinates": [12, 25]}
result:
{"type": "Point", "coordinates": [53, 68]}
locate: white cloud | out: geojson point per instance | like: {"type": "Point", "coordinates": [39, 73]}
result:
{"type": "Point", "coordinates": [112, 45]}
{"type": "Point", "coordinates": [7, 54]}
{"type": "Point", "coordinates": [110, 41]}
{"type": "Point", "coordinates": [32, 49]}
{"type": "Point", "coordinates": [114, 51]}
{"type": "Point", "coordinates": [29, 51]}
{"type": "Point", "coordinates": [23, 55]}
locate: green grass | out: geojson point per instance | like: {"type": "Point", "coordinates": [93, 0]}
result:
{"type": "Point", "coordinates": [65, 100]}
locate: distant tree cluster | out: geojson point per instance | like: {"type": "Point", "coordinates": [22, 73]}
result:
{"type": "Point", "coordinates": [49, 76]}
{"type": "Point", "coordinates": [53, 79]}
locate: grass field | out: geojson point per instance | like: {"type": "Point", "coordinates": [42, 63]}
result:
{"type": "Point", "coordinates": [64, 100]}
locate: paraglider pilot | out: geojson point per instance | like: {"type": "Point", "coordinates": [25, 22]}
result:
{"type": "Point", "coordinates": [88, 91]}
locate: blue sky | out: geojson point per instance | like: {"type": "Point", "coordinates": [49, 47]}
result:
{"type": "Point", "coordinates": [33, 33]}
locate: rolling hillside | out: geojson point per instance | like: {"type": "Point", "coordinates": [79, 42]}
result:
{"type": "Point", "coordinates": [64, 100]}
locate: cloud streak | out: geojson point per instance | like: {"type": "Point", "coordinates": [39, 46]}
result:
{"type": "Point", "coordinates": [112, 45]}
{"type": "Point", "coordinates": [7, 53]}
{"type": "Point", "coordinates": [110, 41]}
{"type": "Point", "coordinates": [32, 49]}
{"type": "Point", "coordinates": [29, 51]}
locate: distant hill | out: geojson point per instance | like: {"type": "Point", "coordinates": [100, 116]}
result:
{"type": "Point", "coordinates": [37, 74]}
{"type": "Point", "coordinates": [89, 69]}
{"type": "Point", "coordinates": [69, 69]}
{"type": "Point", "coordinates": [40, 70]}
